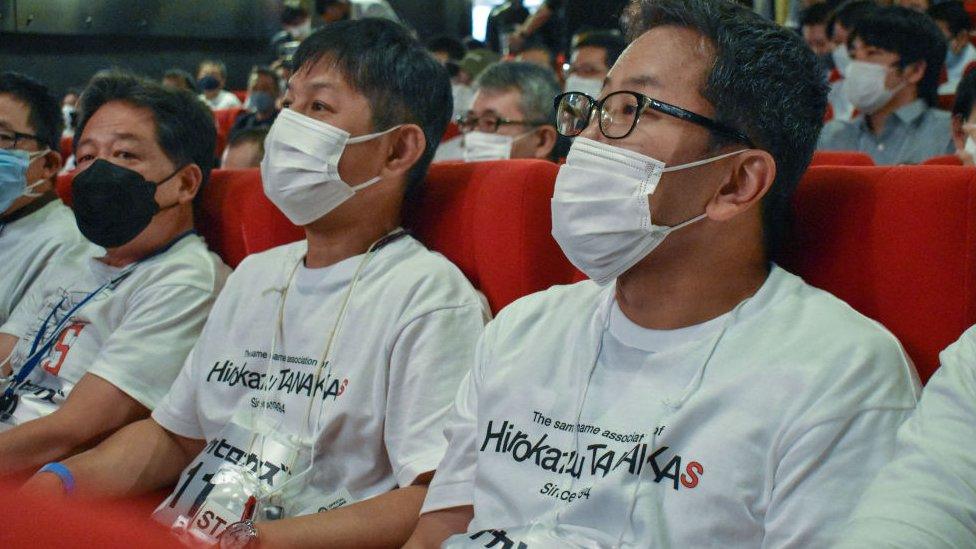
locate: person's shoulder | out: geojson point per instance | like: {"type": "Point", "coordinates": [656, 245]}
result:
{"type": "Point", "coordinates": [55, 223]}
{"type": "Point", "coordinates": [551, 307]}
{"type": "Point", "coordinates": [959, 361]}
{"type": "Point", "coordinates": [190, 263]}
{"type": "Point", "coordinates": [938, 116]}
{"type": "Point", "coordinates": [420, 274]}
{"type": "Point", "coordinates": [271, 259]}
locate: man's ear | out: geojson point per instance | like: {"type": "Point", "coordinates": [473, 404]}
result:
{"type": "Point", "coordinates": [190, 178]}
{"type": "Point", "coordinates": [752, 176]}
{"type": "Point", "coordinates": [408, 145]}
{"type": "Point", "coordinates": [545, 141]}
{"type": "Point", "coordinates": [52, 164]}
{"type": "Point", "coordinates": [915, 71]}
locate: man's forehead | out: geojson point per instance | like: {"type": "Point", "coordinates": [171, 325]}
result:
{"type": "Point", "coordinates": [121, 121]}
{"type": "Point", "coordinates": [14, 113]}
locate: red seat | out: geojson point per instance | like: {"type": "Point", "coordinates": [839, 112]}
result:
{"type": "Point", "coordinates": [237, 219]}
{"type": "Point", "coordinates": [944, 160]}
{"type": "Point", "coordinates": [897, 243]}
{"type": "Point", "coordinates": [947, 101]}
{"type": "Point", "coordinates": [451, 131]}
{"type": "Point", "coordinates": [241, 95]}
{"type": "Point", "coordinates": [841, 158]}
{"type": "Point", "coordinates": [224, 119]}
{"type": "Point", "coordinates": [67, 147]}
{"type": "Point", "coordinates": [492, 219]}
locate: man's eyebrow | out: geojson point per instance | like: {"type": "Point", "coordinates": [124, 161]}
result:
{"type": "Point", "coordinates": [645, 80]}
{"type": "Point", "coordinates": [117, 136]}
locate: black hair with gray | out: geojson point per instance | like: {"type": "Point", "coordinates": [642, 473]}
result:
{"type": "Point", "coordinates": [536, 86]}
{"type": "Point", "coordinates": [402, 81]}
{"type": "Point", "coordinates": [914, 37]}
{"type": "Point", "coordinates": [185, 128]}
{"type": "Point", "coordinates": [44, 109]}
{"type": "Point", "coordinates": [764, 81]}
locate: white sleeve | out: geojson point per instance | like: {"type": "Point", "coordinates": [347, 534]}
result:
{"type": "Point", "coordinates": [430, 357]}
{"type": "Point", "coordinates": [144, 354]}
{"type": "Point", "coordinates": [453, 483]}
{"type": "Point", "coordinates": [926, 497]}
{"type": "Point", "coordinates": [177, 412]}
{"type": "Point", "coordinates": [26, 311]}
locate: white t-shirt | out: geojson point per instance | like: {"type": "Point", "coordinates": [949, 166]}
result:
{"type": "Point", "coordinates": [926, 497]}
{"type": "Point", "coordinates": [223, 100]}
{"type": "Point", "coordinates": [767, 443]}
{"type": "Point", "coordinates": [134, 334]}
{"type": "Point", "coordinates": [27, 247]}
{"type": "Point", "coordinates": [376, 417]}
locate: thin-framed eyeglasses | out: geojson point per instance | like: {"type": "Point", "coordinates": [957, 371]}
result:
{"type": "Point", "coordinates": [10, 138]}
{"type": "Point", "coordinates": [490, 123]}
{"type": "Point", "coordinates": [619, 113]}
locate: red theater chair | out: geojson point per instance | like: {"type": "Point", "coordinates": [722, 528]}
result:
{"type": "Point", "coordinates": [224, 119]}
{"type": "Point", "coordinates": [841, 158]}
{"type": "Point", "coordinates": [947, 101]}
{"type": "Point", "coordinates": [241, 95]}
{"type": "Point", "coordinates": [944, 160]}
{"type": "Point", "coordinates": [67, 148]}
{"type": "Point", "coordinates": [493, 220]}
{"type": "Point", "coordinates": [897, 243]}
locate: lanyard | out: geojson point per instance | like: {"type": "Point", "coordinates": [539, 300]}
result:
{"type": "Point", "coordinates": [39, 350]}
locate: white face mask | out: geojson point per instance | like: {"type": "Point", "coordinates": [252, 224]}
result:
{"type": "Point", "coordinates": [589, 86]}
{"type": "Point", "coordinates": [842, 58]}
{"type": "Point", "coordinates": [300, 32]}
{"type": "Point", "coordinates": [864, 86]}
{"type": "Point", "coordinates": [300, 169]}
{"type": "Point", "coordinates": [482, 146]}
{"type": "Point", "coordinates": [601, 214]}
{"type": "Point", "coordinates": [970, 147]}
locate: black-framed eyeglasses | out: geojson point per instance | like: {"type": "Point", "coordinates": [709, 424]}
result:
{"type": "Point", "coordinates": [620, 111]}
{"type": "Point", "coordinates": [490, 123]}
{"type": "Point", "coordinates": [10, 138]}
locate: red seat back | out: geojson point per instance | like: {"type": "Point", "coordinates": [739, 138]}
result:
{"type": "Point", "coordinates": [944, 160]}
{"type": "Point", "coordinates": [841, 158]}
{"type": "Point", "coordinates": [224, 120]}
{"type": "Point", "coordinates": [897, 243]}
{"type": "Point", "coordinates": [493, 220]}
{"type": "Point", "coordinates": [237, 219]}
{"type": "Point", "coordinates": [67, 147]}
{"type": "Point", "coordinates": [240, 94]}
{"type": "Point", "coordinates": [947, 101]}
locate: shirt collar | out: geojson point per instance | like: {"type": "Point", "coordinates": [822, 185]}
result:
{"type": "Point", "coordinates": [912, 111]}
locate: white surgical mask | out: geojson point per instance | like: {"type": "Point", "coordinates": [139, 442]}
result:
{"type": "Point", "coordinates": [864, 86]}
{"type": "Point", "coordinates": [589, 86]}
{"type": "Point", "coordinates": [601, 214]}
{"type": "Point", "coordinates": [482, 146]}
{"type": "Point", "coordinates": [842, 58]}
{"type": "Point", "coordinates": [463, 95]}
{"type": "Point", "coordinates": [970, 147]}
{"type": "Point", "coordinates": [300, 169]}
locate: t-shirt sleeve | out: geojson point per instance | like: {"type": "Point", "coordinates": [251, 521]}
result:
{"type": "Point", "coordinates": [26, 311]}
{"type": "Point", "coordinates": [926, 496]}
{"type": "Point", "coordinates": [826, 459]}
{"type": "Point", "coordinates": [144, 354]}
{"type": "Point", "coordinates": [430, 357]}
{"type": "Point", "coordinates": [453, 483]}
{"type": "Point", "coordinates": [177, 412]}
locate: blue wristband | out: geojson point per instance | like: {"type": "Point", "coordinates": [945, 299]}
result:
{"type": "Point", "coordinates": [67, 479]}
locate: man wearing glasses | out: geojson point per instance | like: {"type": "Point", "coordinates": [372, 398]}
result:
{"type": "Point", "coordinates": [34, 225]}
{"type": "Point", "coordinates": [511, 115]}
{"type": "Point", "coordinates": [692, 393]}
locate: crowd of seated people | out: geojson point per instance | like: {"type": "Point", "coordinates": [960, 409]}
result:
{"type": "Point", "coordinates": [353, 389]}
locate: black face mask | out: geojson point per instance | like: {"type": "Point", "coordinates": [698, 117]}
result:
{"type": "Point", "coordinates": [113, 204]}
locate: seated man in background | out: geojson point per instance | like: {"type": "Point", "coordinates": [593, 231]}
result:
{"type": "Point", "coordinates": [592, 56]}
{"type": "Point", "coordinates": [926, 496]}
{"type": "Point", "coordinates": [692, 393]}
{"type": "Point", "coordinates": [839, 26]}
{"type": "Point", "coordinates": [964, 120]}
{"type": "Point", "coordinates": [211, 78]}
{"type": "Point", "coordinates": [813, 27]}
{"type": "Point", "coordinates": [34, 225]}
{"type": "Point", "coordinates": [955, 24]}
{"type": "Point", "coordinates": [100, 337]}
{"type": "Point", "coordinates": [245, 149]}
{"type": "Point", "coordinates": [325, 372]}
{"type": "Point", "coordinates": [893, 81]}
{"type": "Point", "coordinates": [261, 106]}
{"type": "Point", "coordinates": [512, 114]}
{"type": "Point", "coordinates": [343, 10]}
{"type": "Point", "coordinates": [180, 79]}
{"type": "Point", "coordinates": [537, 53]}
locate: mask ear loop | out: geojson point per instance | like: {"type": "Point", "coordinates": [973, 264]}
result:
{"type": "Point", "coordinates": [28, 190]}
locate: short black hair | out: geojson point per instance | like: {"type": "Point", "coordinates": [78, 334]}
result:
{"type": "Point", "coordinates": [849, 13]}
{"type": "Point", "coordinates": [953, 14]}
{"type": "Point", "coordinates": [402, 81]}
{"type": "Point", "coordinates": [764, 81]}
{"type": "Point", "coordinates": [292, 15]}
{"type": "Point", "coordinates": [44, 108]}
{"type": "Point", "coordinates": [611, 42]}
{"type": "Point", "coordinates": [322, 5]}
{"type": "Point", "coordinates": [221, 67]}
{"type": "Point", "coordinates": [911, 35]}
{"type": "Point", "coordinates": [816, 14]}
{"type": "Point", "coordinates": [264, 70]}
{"type": "Point", "coordinates": [187, 78]}
{"type": "Point", "coordinates": [965, 96]}
{"type": "Point", "coordinates": [185, 127]}
{"type": "Point", "coordinates": [452, 46]}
